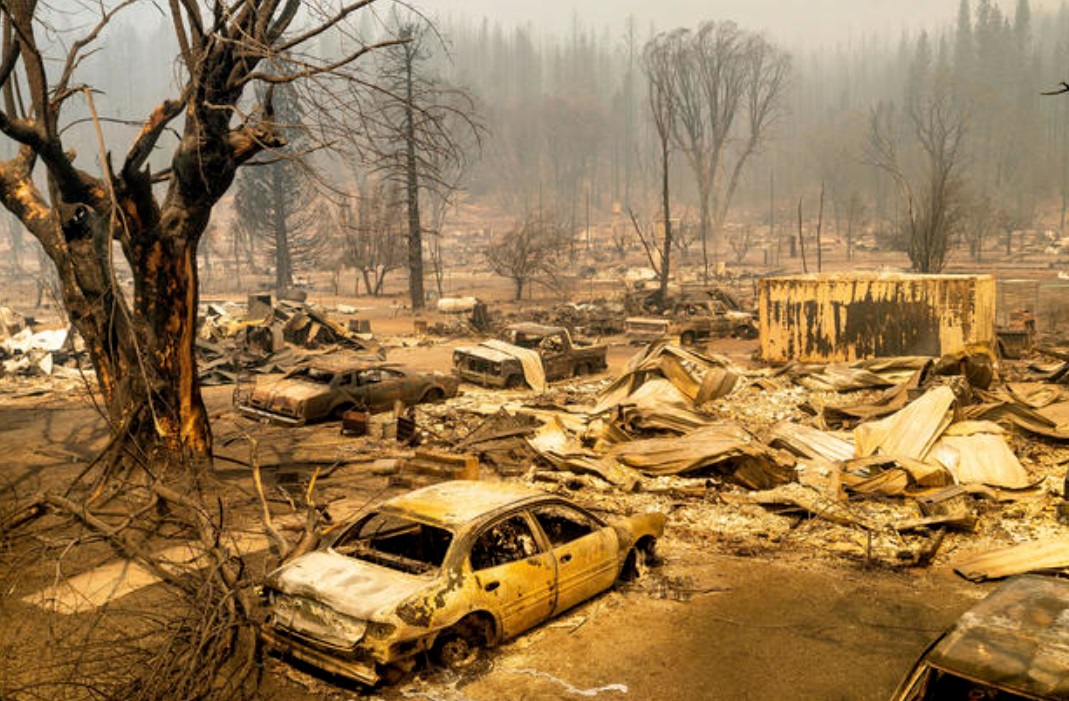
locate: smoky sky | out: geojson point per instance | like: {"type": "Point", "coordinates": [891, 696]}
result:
{"type": "Point", "coordinates": [797, 23]}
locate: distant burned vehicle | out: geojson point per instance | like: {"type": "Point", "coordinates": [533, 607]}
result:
{"type": "Point", "coordinates": [447, 569]}
{"type": "Point", "coordinates": [327, 387]}
{"type": "Point", "coordinates": [1013, 645]}
{"type": "Point", "coordinates": [528, 353]}
{"type": "Point", "coordinates": [694, 318]}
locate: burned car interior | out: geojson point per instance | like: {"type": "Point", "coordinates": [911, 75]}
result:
{"type": "Point", "coordinates": [394, 541]}
{"type": "Point", "coordinates": [563, 525]}
{"type": "Point", "coordinates": [502, 543]}
{"type": "Point", "coordinates": [313, 374]}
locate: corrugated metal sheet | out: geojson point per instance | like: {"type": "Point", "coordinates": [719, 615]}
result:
{"type": "Point", "coordinates": [1052, 553]}
{"type": "Point", "coordinates": [847, 316]}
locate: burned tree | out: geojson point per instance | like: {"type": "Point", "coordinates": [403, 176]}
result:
{"type": "Point", "coordinates": [142, 347]}
{"type": "Point", "coordinates": [658, 66]}
{"type": "Point", "coordinates": [370, 231]}
{"type": "Point", "coordinates": [727, 86]}
{"type": "Point", "coordinates": [152, 487]}
{"type": "Point", "coordinates": [422, 133]}
{"type": "Point", "coordinates": [276, 203]}
{"type": "Point", "coordinates": [923, 152]}
{"type": "Point", "coordinates": [531, 251]}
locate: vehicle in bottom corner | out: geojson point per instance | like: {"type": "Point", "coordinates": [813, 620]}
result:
{"type": "Point", "coordinates": [447, 569]}
{"type": "Point", "coordinates": [1011, 646]}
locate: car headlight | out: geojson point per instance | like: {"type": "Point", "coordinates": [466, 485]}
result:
{"type": "Point", "coordinates": [380, 630]}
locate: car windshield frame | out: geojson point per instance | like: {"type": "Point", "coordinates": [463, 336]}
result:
{"type": "Point", "coordinates": [396, 541]}
{"type": "Point", "coordinates": [309, 373]}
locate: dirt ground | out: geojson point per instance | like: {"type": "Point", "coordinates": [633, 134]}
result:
{"type": "Point", "coordinates": [722, 618]}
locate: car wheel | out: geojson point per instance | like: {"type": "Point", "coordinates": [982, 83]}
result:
{"type": "Point", "coordinates": [339, 411]}
{"type": "Point", "coordinates": [639, 558]}
{"type": "Point", "coordinates": [687, 339]}
{"type": "Point", "coordinates": [433, 394]}
{"type": "Point", "coordinates": [462, 645]}
{"type": "Point", "coordinates": [747, 332]}
{"type": "Point", "coordinates": [514, 382]}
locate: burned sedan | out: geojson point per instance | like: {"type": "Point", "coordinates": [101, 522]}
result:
{"type": "Point", "coordinates": [1013, 645]}
{"type": "Point", "coordinates": [447, 569]}
{"type": "Point", "coordinates": [329, 386]}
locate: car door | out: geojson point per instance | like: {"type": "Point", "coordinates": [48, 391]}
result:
{"type": "Point", "coordinates": [586, 552]}
{"type": "Point", "coordinates": [556, 361]}
{"type": "Point", "coordinates": [515, 575]}
{"type": "Point", "coordinates": [348, 390]}
{"type": "Point", "coordinates": [387, 390]}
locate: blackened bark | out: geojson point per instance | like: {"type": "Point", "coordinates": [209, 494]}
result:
{"type": "Point", "coordinates": [415, 233]}
{"type": "Point", "coordinates": [666, 251]}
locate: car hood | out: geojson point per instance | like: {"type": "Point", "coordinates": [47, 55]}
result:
{"type": "Point", "coordinates": [486, 353]}
{"type": "Point", "coordinates": [352, 587]}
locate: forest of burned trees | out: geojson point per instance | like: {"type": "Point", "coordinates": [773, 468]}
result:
{"type": "Point", "coordinates": [570, 119]}
{"type": "Point", "coordinates": [568, 130]}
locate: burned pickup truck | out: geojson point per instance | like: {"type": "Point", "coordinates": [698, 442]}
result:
{"type": "Point", "coordinates": [694, 318]}
{"type": "Point", "coordinates": [530, 353]}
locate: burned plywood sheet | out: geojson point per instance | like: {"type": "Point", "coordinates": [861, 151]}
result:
{"type": "Point", "coordinates": [846, 316]}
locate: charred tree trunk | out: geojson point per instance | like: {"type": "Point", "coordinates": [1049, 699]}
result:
{"type": "Point", "coordinates": [666, 250]}
{"type": "Point", "coordinates": [143, 352]}
{"type": "Point", "coordinates": [283, 257]}
{"type": "Point", "coordinates": [704, 225]}
{"type": "Point", "coordinates": [415, 233]}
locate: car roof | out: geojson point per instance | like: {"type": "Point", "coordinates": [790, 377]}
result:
{"type": "Point", "coordinates": [458, 502]}
{"type": "Point", "coordinates": [341, 362]}
{"type": "Point", "coordinates": [1017, 638]}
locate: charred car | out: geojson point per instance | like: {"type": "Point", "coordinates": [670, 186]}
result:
{"type": "Point", "coordinates": [504, 362]}
{"type": "Point", "coordinates": [446, 569]}
{"type": "Point", "coordinates": [1012, 646]}
{"type": "Point", "coordinates": [695, 318]}
{"type": "Point", "coordinates": [329, 386]}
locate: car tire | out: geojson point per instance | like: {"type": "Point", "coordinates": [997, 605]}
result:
{"type": "Point", "coordinates": [640, 557]}
{"type": "Point", "coordinates": [433, 394]}
{"type": "Point", "coordinates": [462, 645]}
{"type": "Point", "coordinates": [747, 332]}
{"type": "Point", "coordinates": [687, 339]}
{"type": "Point", "coordinates": [514, 382]}
{"type": "Point", "coordinates": [339, 411]}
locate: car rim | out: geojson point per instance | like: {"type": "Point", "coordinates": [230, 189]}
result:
{"type": "Point", "coordinates": [458, 652]}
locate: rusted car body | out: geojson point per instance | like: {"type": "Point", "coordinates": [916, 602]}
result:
{"type": "Point", "coordinates": [329, 386]}
{"type": "Point", "coordinates": [448, 569]}
{"type": "Point", "coordinates": [561, 356]}
{"type": "Point", "coordinates": [1013, 645]}
{"type": "Point", "coordinates": [694, 320]}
